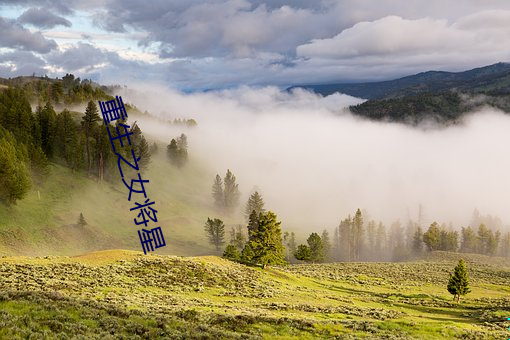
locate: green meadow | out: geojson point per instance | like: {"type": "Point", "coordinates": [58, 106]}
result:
{"type": "Point", "coordinates": [125, 294]}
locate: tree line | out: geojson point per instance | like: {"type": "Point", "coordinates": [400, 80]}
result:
{"type": "Point", "coordinates": [354, 239]}
{"type": "Point", "coordinates": [65, 91]}
{"type": "Point", "coordinates": [357, 240]}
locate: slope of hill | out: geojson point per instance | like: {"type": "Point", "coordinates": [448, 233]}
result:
{"type": "Point", "coordinates": [45, 222]}
{"type": "Point", "coordinates": [493, 79]}
{"type": "Point", "coordinates": [127, 294]}
{"type": "Point", "coordinates": [43, 219]}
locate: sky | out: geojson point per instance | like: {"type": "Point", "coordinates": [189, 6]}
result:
{"type": "Point", "coordinates": [194, 45]}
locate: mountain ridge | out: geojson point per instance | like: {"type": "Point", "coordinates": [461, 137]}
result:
{"type": "Point", "coordinates": [491, 78]}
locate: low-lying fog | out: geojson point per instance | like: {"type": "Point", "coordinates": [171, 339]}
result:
{"type": "Point", "coordinates": [315, 163]}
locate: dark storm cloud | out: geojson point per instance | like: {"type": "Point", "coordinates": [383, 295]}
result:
{"type": "Point", "coordinates": [42, 18]}
{"type": "Point", "coordinates": [16, 36]}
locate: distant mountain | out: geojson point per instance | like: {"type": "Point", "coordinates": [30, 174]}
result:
{"type": "Point", "coordinates": [493, 79]}
{"type": "Point", "coordinates": [440, 96]}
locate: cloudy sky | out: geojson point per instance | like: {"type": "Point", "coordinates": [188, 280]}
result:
{"type": "Point", "coordinates": [198, 44]}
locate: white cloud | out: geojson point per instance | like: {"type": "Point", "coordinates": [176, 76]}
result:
{"type": "Point", "coordinates": [483, 37]}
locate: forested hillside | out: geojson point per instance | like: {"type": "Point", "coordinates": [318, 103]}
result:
{"type": "Point", "coordinates": [60, 187]}
{"type": "Point", "coordinates": [73, 139]}
{"type": "Point", "coordinates": [488, 79]}
{"type": "Point", "coordinates": [443, 97]}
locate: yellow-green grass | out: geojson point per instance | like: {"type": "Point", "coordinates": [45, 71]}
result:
{"type": "Point", "coordinates": [218, 298]}
{"type": "Point", "coordinates": [45, 221]}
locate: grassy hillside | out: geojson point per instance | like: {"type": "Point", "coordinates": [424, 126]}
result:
{"type": "Point", "coordinates": [124, 293]}
{"type": "Point", "coordinates": [45, 222]}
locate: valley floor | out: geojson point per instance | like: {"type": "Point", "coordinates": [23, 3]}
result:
{"type": "Point", "coordinates": [125, 294]}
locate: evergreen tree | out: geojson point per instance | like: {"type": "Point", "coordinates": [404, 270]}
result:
{"type": "Point", "coordinates": [89, 123]}
{"type": "Point", "coordinates": [217, 193]}
{"type": "Point", "coordinates": [469, 241]}
{"type": "Point", "coordinates": [46, 118]}
{"type": "Point", "coordinates": [237, 237]}
{"type": "Point", "coordinates": [326, 243]}
{"type": "Point", "coordinates": [371, 238]}
{"type": "Point", "coordinates": [140, 147]}
{"type": "Point", "coordinates": [432, 237]}
{"type": "Point", "coordinates": [81, 220]}
{"type": "Point", "coordinates": [487, 240]}
{"type": "Point", "coordinates": [396, 236]}
{"type": "Point", "coordinates": [292, 244]}
{"type": "Point", "coordinates": [68, 82]}
{"type": "Point", "coordinates": [177, 151]}
{"type": "Point", "coordinates": [483, 238]}
{"type": "Point", "coordinates": [303, 253]}
{"type": "Point", "coordinates": [182, 145]}
{"type": "Point", "coordinates": [381, 239]}
{"type": "Point", "coordinates": [410, 231]}
{"type": "Point", "coordinates": [104, 159]}
{"type": "Point", "coordinates": [182, 142]}
{"type": "Point", "coordinates": [266, 241]}
{"type": "Point", "coordinates": [247, 254]}
{"type": "Point", "coordinates": [336, 245]}
{"type": "Point", "coordinates": [345, 231]}
{"type": "Point", "coordinates": [172, 152]}
{"type": "Point", "coordinates": [154, 149]}
{"type": "Point", "coordinates": [57, 92]}
{"type": "Point", "coordinates": [451, 242]}
{"type": "Point", "coordinates": [215, 230]}
{"type": "Point", "coordinates": [418, 241]}
{"type": "Point", "coordinates": [289, 240]}
{"type": "Point", "coordinates": [231, 253]}
{"type": "Point", "coordinates": [144, 153]}
{"type": "Point", "coordinates": [493, 242]}
{"type": "Point", "coordinates": [67, 140]}
{"type": "Point", "coordinates": [255, 203]}
{"type": "Point", "coordinates": [316, 247]}
{"type": "Point", "coordinates": [14, 175]}
{"type": "Point", "coordinates": [505, 245]}
{"type": "Point", "coordinates": [16, 115]}
{"type": "Point", "coordinates": [230, 192]}
{"type": "Point", "coordinates": [253, 225]}
{"type": "Point", "coordinates": [357, 233]}
{"type": "Point", "coordinates": [399, 251]}
{"type": "Point", "coordinates": [458, 283]}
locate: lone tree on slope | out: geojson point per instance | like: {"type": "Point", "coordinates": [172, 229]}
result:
{"type": "Point", "coordinates": [458, 284]}
{"type": "Point", "coordinates": [81, 221]}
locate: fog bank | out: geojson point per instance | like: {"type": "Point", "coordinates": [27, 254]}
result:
{"type": "Point", "coordinates": [315, 163]}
